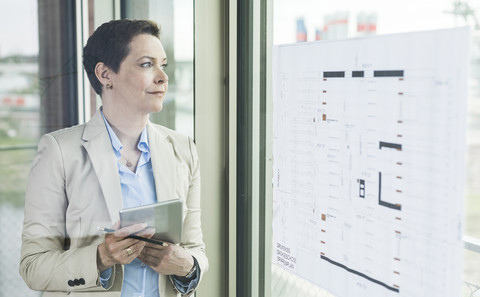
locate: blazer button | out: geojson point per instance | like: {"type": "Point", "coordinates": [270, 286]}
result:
{"type": "Point", "coordinates": [71, 283]}
{"type": "Point", "coordinates": [82, 281]}
{"type": "Point", "coordinates": [76, 282]}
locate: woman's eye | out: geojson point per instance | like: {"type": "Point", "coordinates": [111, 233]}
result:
{"type": "Point", "coordinates": [164, 66]}
{"type": "Point", "coordinates": [146, 64]}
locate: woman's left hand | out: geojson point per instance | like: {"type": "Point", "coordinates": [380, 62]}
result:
{"type": "Point", "coordinates": [167, 260]}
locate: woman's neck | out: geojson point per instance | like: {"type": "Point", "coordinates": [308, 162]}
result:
{"type": "Point", "coordinates": [127, 127]}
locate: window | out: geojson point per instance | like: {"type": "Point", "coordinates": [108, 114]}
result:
{"type": "Point", "coordinates": [176, 21]}
{"type": "Point", "coordinates": [309, 20]}
{"type": "Point", "coordinates": [40, 86]}
{"type": "Point", "coordinates": [19, 131]}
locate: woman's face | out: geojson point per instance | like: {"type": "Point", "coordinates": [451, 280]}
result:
{"type": "Point", "coordinates": [141, 82]}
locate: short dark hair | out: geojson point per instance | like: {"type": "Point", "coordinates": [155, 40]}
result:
{"type": "Point", "coordinates": [110, 44]}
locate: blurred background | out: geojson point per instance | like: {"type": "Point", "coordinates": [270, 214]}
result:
{"type": "Point", "coordinates": [40, 74]}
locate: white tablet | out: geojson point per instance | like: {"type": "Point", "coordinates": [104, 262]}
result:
{"type": "Point", "coordinates": [165, 217]}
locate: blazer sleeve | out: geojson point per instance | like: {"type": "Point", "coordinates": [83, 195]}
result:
{"type": "Point", "coordinates": [192, 238]}
{"type": "Point", "coordinates": [47, 263]}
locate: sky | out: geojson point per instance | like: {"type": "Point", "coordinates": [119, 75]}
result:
{"type": "Point", "coordinates": [18, 27]}
{"type": "Point", "coordinates": [19, 33]}
{"type": "Point", "coordinates": [393, 16]}
{"type": "Point", "coordinates": [183, 29]}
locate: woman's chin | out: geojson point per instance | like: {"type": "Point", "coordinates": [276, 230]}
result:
{"type": "Point", "coordinates": [157, 107]}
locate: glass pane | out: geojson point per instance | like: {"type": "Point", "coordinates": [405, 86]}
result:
{"type": "Point", "coordinates": [176, 20]}
{"type": "Point", "coordinates": [19, 131]}
{"type": "Point", "coordinates": [99, 12]}
{"type": "Point", "coordinates": [310, 20]}
{"type": "Point", "coordinates": [471, 276]}
{"type": "Point", "coordinates": [30, 106]}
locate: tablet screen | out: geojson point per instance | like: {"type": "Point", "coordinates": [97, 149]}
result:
{"type": "Point", "coordinates": [165, 217]}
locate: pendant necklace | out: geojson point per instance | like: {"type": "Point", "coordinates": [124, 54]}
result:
{"type": "Point", "coordinates": [128, 163]}
{"type": "Point", "coordinates": [124, 161]}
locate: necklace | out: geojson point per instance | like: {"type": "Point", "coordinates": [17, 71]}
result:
{"type": "Point", "coordinates": [124, 161]}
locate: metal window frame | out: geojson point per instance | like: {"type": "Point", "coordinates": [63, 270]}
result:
{"type": "Point", "coordinates": [83, 102]}
{"type": "Point", "coordinates": [84, 105]}
{"type": "Point", "coordinates": [254, 40]}
{"type": "Point", "coordinates": [471, 243]}
{"type": "Point", "coordinates": [214, 87]}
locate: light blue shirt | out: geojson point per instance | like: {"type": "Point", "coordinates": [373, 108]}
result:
{"type": "Point", "coordinates": [138, 188]}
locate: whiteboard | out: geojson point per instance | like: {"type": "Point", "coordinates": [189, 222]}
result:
{"type": "Point", "coordinates": [369, 162]}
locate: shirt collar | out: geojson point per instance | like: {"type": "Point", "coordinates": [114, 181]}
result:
{"type": "Point", "coordinates": [117, 145]}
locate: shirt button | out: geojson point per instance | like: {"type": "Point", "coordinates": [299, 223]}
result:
{"type": "Point", "coordinates": [143, 264]}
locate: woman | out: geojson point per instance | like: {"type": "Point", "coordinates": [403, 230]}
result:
{"type": "Point", "coordinates": [82, 176]}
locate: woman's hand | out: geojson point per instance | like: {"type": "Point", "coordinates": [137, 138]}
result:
{"type": "Point", "coordinates": [167, 260]}
{"type": "Point", "coordinates": [118, 249]}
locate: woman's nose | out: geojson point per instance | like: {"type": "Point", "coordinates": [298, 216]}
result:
{"type": "Point", "coordinates": [161, 77]}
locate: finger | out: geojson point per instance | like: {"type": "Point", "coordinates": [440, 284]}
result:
{"type": "Point", "coordinates": [149, 259]}
{"type": "Point", "coordinates": [119, 241]}
{"type": "Point", "coordinates": [131, 252]}
{"type": "Point", "coordinates": [145, 260]}
{"type": "Point", "coordinates": [152, 254]}
{"type": "Point", "coordinates": [155, 246]}
{"type": "Point", "coordinates": [164, 244]}
{"type": "Point", "coordinates": [135, 249]}
{"type": "Point", "coordinates": [118, 249]}
{"type": "Point", "coordinates": [147, 232]}
{"type": "Point", "coordinates": [138, 247]}
{"type": "Point", "coordinates": [116, 225]}
{"type": "Point", "coordinates": [125, 231]}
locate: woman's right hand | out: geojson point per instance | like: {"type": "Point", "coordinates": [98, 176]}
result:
{"type": "Point", "coordinates": [118, 248]}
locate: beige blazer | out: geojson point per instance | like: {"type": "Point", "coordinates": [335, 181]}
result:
{"type": "Point", "coordinates": [74, 187]}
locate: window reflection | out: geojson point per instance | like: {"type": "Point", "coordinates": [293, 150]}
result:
{"type": "Point", "coordinates": [19, 131]}
{"type": "Point", "coordinates": [176, 21]}
{"type": "Point", "coordinates": [326, 20]}
{"type": "Point", "coordinates": [175, 18]}
{"type": "Point", "coordinates": [38, 93]}
{"type": "Point", "coordinates": [310, 20]}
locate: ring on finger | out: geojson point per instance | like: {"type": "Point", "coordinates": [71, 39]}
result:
{"type": "Point", "coordinates": [129, 251]}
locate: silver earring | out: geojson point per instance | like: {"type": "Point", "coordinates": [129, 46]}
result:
{"type": "Point", "coordinates": [109, 86]}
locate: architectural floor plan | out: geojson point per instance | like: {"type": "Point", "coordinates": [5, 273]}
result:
{"type": "Point", "coordinates": [369, 162]}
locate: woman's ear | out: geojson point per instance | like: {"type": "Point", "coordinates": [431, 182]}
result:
{"type": "Point", "coordinates": [103, 73]}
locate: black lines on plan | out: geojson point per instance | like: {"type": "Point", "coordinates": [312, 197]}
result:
{"type": "Point", "coordinates": [381, 202]}
{"type": "Point", "coordinates": [390, 145]}
{"type": "Point", "coordinates": [385, 203]}
{"type": "Point", "coordinates": [360, 73]}
{"type": "Point", "coordinates": [331, 74]}
{"type": "Point", "coordinates": [388, 73]}
{"type": "Point", "coordinates": [360, 274]}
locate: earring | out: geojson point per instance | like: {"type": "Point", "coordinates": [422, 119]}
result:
{"type": "Point", "coordinates": [109, 86]}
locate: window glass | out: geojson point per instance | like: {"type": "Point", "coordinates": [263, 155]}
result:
{"type": "Point", "coordinates": [19, 131]}
{"type": "Point", "coordinates": [38, 93]}
{"type": "Point", "coordinates": [310, 20]}
{"type": "Point", "coordinates": [176, 21]}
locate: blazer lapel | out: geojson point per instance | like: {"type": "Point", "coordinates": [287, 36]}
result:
{"type": "Point", "coordinates": [163, 163]}
{"type": "Point", "coordinates": [99, 148]}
